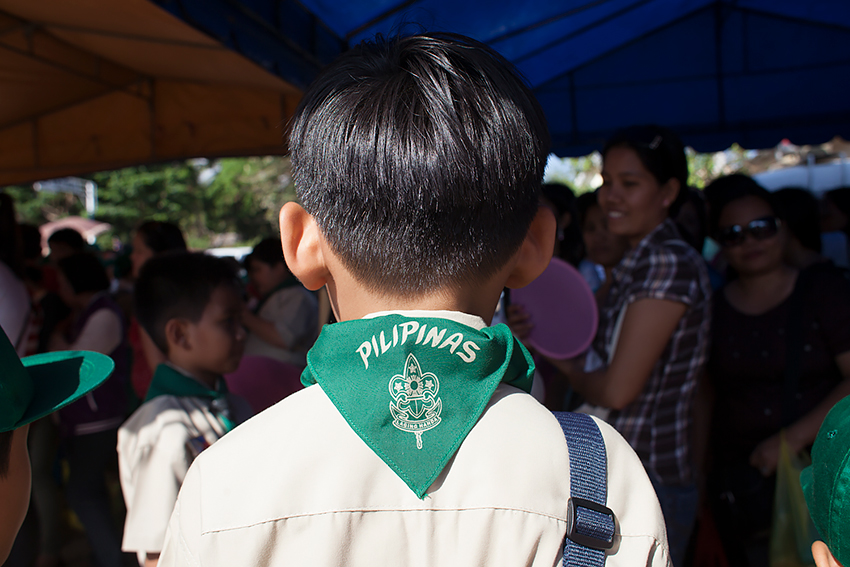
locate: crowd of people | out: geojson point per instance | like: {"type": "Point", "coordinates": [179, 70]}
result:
{"type": "Point", "coordinates": [704, 358]}
{"type": "Point", "coordinates": [702, 363]}
{"type": "Point", "coordinates": [75, 299]}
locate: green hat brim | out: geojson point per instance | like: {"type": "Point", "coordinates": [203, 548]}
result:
{"type": "Point", "coordinates": [59, 378]}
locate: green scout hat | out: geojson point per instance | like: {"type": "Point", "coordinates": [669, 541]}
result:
{"type": "Point", "coordinates": [34, 386]}
{"type": "Point", "coordinates": [826, 483]}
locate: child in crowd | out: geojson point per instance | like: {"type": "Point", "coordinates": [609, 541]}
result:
{"type": "Point", "coordinates": [65, 242]}
{"type": "Point", "coordinates": [604, 248]}
{"type": "Point", "coordinates": [31, 388]}
{"type": "Point", "coordinates": [191, 307]}
{"type": "Point", "coordinates": [283, 324]}
{"type": "Point", "coordinates": [825, 485]}
{"type": "Point", "coordinates": [418, 161]}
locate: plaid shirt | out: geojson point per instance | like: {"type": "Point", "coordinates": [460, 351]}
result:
{"type": "Point", "coordinates": [657, 424]}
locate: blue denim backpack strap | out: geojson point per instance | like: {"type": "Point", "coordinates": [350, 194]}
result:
{"type": "Point", "coordinates": [590, 523]}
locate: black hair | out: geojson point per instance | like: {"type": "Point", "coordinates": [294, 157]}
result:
{"type": "Point", "coordinates": [800, 211]}
{"type": "Point", "coordinates": [420, 158]}
{"type": "Point", "coordinates": [31, 246]}
{"type": "Point", "coordinates": [268, 251]}
{"type": "Point", "coordinates": [5, 452]}
{"type": "Point", "coordinates": [660, 151]}
{"type": "Point", "coordinates": [694, 235]}
{"type": "Point", "coordinates": [725, 190]}
{"type": "Point", "coordinates": [177, 285]}
{"type": "Point", "coordinates": [11, 250]}
{"type": "Point", "coordinates": [84, 272]}
{"type": "Point", "coordinates": [562, 198]}
{"type": "Point", "coordinates": [31, 241]}
{"type": "Point", "coordinates": [161, 236]}
{"type": "Point", "coordinates": [69, 237]}
{"type": "Point", "coordinates": [584, 203]}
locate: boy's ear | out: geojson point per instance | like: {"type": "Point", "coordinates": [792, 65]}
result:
{"type": "Point", "coordinates": [176, 334]}
{"type": "Point", "coordinates": [536, 250]}
{"type": "Point", "coordinates": [302, 246]}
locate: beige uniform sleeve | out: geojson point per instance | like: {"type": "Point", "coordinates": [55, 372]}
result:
{"type": "Point", "coordinates": [642, 534]}
{"type": "Point", "coordinates": [156, 476]}
{"type": "Point", "coordinates": [182, 540]}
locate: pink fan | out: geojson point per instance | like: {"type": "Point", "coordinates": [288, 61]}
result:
{"type": "Point", "coordinates": [563, 311]}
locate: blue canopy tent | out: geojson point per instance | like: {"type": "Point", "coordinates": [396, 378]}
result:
{"type": "Point", "coordinates": [717, 71]}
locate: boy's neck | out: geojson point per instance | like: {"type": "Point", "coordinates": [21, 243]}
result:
{"type": "Point", "coordinates": [208, 379]}
{"type": "Point", "coordinates": [350, 300]}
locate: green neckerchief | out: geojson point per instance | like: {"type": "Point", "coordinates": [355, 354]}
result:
{"type": "Point", "coordinates": [168, 381]}
{"type": "Point", "coordinates": [413, 387]}
{"type": "Point", "coordinates": [288, 282]}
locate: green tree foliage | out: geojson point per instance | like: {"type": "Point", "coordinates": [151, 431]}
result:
{"type": "Point", "coordinates": [38, 208]}
{"type": "Point", "coordinates": [239, 197]}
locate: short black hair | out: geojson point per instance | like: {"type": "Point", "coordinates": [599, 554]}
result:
{"type": "Point", "coordinates": [561, 197]}
{"type": "Point", "coordinates": [420, 158]}
{"type": "Point", "coordinates": [800, 211]}
{"type": "Point", "coordinates": [725, 190]}
{"type": "Point", "coordinates": [268, 251]}
{"type": "Point", "coordinates": [584, 203]}
{"type": "Point", "coordinates": [84, 272]}
{"type": "Point", "coordinates": [5, 452]}
{"type": "Point", "coordinates": [660, 151]}
{"type": "Point", "coordinates": [161, 236]}
{"type": "Point", "coordinates": [177, 285]}
{"type": "Point", "coordinates": [69, 237]}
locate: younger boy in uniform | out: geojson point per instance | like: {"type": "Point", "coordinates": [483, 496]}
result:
{"type": "Point", "coordinates": [826, 485]}
{"type": "Point", "coordinates": [31, 388]}
{"type": "Point", "coordinates": [418, 162]}
{"type": "Point", "coordinates": [191, 307]}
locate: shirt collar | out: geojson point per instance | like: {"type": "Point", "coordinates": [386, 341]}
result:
{"type": "Point", "coordinates": [473, 321]}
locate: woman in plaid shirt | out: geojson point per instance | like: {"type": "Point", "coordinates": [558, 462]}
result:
{"type": "Point", "coordinates": [654, 325]}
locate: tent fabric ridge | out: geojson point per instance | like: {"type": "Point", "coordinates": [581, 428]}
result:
{"type": "Point", "coordinates": [215, 46]}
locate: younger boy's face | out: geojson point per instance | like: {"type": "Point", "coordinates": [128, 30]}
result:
{"type": "Point", "coordinates": [266, 277]}
{"type": "Point", "coordinates": [218, 338]}
{"type": "Point", "coordinates": [14, 492]}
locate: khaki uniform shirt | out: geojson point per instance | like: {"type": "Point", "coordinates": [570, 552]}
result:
{"type": "Point", "coordinates": [153, 458]}
{"type": "Point", "coordinates": [295, 485]}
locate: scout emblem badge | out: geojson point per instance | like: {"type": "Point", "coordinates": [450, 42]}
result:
{"type": "Point", "coordinates": [417, 407]}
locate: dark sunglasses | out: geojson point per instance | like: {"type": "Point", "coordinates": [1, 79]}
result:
{"type": "Point", "coordinates": [759, 229]}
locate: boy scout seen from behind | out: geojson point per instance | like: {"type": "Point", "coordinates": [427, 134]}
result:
{"type": "Point", "coordinates": [417, 162]}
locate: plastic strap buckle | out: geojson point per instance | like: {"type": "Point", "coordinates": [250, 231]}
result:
{"type": "Point", "coordinates": [606, 525]}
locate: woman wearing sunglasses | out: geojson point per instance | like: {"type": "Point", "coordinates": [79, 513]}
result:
{"type": "Point", "coordinates": [654, 322]}
{"type": "Point", "coordinates": [780, 358]}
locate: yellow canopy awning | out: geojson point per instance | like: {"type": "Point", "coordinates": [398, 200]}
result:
{"type": "Point", "coordinates": [88, 85]}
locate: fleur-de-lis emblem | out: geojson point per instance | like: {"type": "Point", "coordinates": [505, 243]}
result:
{"type": "Point", "coordinates": [416, 407]}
